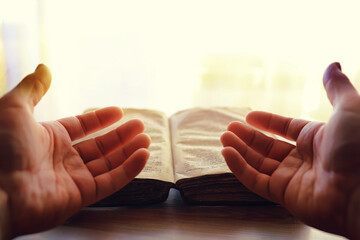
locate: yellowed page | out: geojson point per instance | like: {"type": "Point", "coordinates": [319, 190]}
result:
{"type": "Point", "coordinates": [160, 164]}
{"type": "Point", "coordinates": [195, 136]}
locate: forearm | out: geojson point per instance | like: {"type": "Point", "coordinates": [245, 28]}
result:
{"type": "Point", "coordinates": [4, 216]}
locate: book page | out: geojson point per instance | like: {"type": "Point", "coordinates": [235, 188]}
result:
{"type": "Point", "coordinates": [160, 164]}
{"type": "Point", "coordinates": [195, 136]}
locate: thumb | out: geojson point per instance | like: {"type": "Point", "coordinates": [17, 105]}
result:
{"type": "Point", "coordinates": [338, 87]}
{"type": "Point", "coordinates": [34, 86]}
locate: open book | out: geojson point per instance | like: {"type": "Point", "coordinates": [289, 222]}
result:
{"type": "Point", "coordinates": [185, 153]}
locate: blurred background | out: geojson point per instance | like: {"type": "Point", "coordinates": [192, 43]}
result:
{"type": "Point", "coordinates": [170, 55]}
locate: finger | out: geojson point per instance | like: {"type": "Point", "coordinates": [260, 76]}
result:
{"type": "Point", "coordinates": [257, 161]}
{"type": "Point", "coordinates": [338, 87]}
{"type": "Point", "coordinates": [100, 146]}
{"type": "Point", "coordinates": [285, 173]}
{"type": "Point", "coordinates": [265, 145]}
{"type": "Point", "coordinates": [283, 126]}
{"type": "Point", "coordinates": [116, 158]}
{"type": "Point", "coordinates": [112, 181]}
{"type": "Point", "coordinates": [247, 175]}
{"type": "Point", "coordinates": [84, 124]}
{"type": "Point", "coordinates": [34, 86]}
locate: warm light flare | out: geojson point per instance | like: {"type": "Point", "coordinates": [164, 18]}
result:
{"type": "Point", "coordinates": [171, 55]}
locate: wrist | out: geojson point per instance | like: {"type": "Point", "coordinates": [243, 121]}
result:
{"type": "Point", "coordinates": [4, 216]}
{"type": "Point", "coordinates": [353, 219]}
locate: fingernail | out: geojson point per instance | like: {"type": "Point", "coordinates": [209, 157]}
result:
{"type": "Point", "coordinates": [332, 70]}
{"type": "Point", "coordinates": [338, 65]}
{"type": "Point", "coordinates": [38, 67]}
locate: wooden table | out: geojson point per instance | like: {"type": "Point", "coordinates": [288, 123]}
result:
{"type": "Point", "coordinates": [175, 220]}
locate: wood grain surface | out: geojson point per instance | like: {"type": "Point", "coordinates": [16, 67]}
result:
{"type": "Point", "coordinates": [174, 219]}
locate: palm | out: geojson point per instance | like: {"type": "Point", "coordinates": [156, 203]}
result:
{"type": "Point", "coordinates": [46, 186]}
{"type": "Point", "coordinates": [46, 178]}
{"type": "Point", "coordinates": [315, 178]}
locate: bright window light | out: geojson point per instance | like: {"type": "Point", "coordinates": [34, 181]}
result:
{"type": "Point", "coordinates": [171, 55]}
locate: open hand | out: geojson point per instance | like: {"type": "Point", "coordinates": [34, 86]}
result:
{"type": "Point", "coordinates": [44, 179]}
{"type": "Point", "coordinates": [317, 178]}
